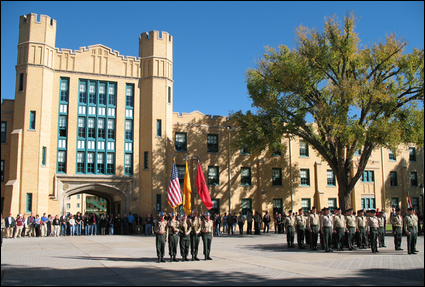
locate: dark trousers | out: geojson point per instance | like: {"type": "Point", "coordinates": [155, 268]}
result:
{"type": "Point", "coordinates": [307, 237]}
{"type": "Point", "coordinates": [130, 228]}
{"type": "Point", "coordinates": [207, 239]}
{"type": "Point", "coordinates": [279, 228]}
{"type": "Point", "coordinates": [381, 236]}
{"type": "Point", "coordinates": [322, 239]}
{"type": "Point", "coordinates": [313, 237]}
{"type": "Point", "coordinates": [340, 234]}
{"type": "Point", "coordinates": [241, 229]}
{"type": "Point", "coordinates": [266, 225]}
{"type": "Point", "coordinates": [362, 238]}
{"type": "Point", "coordinates": [173, 240]}
{"type": "Point", "coordinates": [374, 239]}
{"type": "Point", "coordinates": [397, 237]}
{"type": "Point", "coordinates": [350, 235]}
{"type": "Point", "coordinates": [160, 245]}
{"type": "Point", "coordinates": [300, 236]}
{"type": "Point", "coordinates": [257, 227]}
{"type": "Point", "coordinates": [194, 243]}
{"type": "Point", "coordinates": [411, 241]}
{"type": "Point", "coordinates": [327, 236]}
{"type": "Point", "coordinates": [184, 245]}
{"type": "Point", "coordinates": [249, 228]}
{"type": "Point", "coordinates": [290, 236]}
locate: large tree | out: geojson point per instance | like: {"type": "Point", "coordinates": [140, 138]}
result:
{"type": "Point", "coordinates": [359, 98]}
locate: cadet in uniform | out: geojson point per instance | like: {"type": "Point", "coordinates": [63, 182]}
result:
{"type": "Point", "coordinates": [313, 223]}
{"type": "Point", "coordinates": [195, 223]}
{"type": "Point", "coordinates": [173, 236]}
{"type": "Point", "coordinates": [207, 228]}
{"type": "Point", "coordinates": [339, 229]}
{"type": "Point", "coordinates": [184, 229]}
{"type": "Point", "coordinates": [290, 232]}
{"type": "Point", "coordinates": [161, 232]}
{"type": "Point", "coordinates": [326, 226]}
{"type": "Point", "coordinates": [373, 226]}
{"type": "Point", "coordinates": [397, 223]}
{"type": "Point", "coordinates": [350, 220]}
{"type": "Point", "coordinates": [410, 225]}
{"type": "Point", "coordinates": [381, 231]}
{"type": "Point", "coordinates": [300, 223]}
{"type": "Point", "coordinates": [361, 229]}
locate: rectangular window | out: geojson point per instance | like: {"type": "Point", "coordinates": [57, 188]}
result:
{"type": "Point", "coordinates": [181, 142]}
{"type": "Point", "coordinates": [3, 131]}
{"type": "Point", "coordinates": [305, 177]}
{"type": "Point", "coordinates": [181, 171]}
{"type": "Point", "coordinates": [64, 90]}
{"type": "Point", "coordinates": [62, 126]}
{"type": "Point", "coordinates": [303, 148]}
{"type": "Point", "coordinates": [68, 206]}
{"type": "Point", "coordinates": [246, 206]}
{"type": "Point", "coordinates": [245, 151]}
{"type": "Point", "coordinates": [368, 176]}
{"type": "Point", "coordinates": [216, 206]}
{"type": "Point", "coordinates": [110, 164]}
{"type": "Point", "coordinates": [412, 154]}
{"type": "Point", "coordinates": [43, 156]}
{"type": "Point", "coordinates": [21, 82]}
{"type": "Point", "coordinates": [61, 161]}
{"type": "Point", "coordinates": [111, 129]}
{"type": "Point", "coordinates": [100, 162]}
{"type": "Point", "coordinates": [92, 94]}
{"type": "Point", "coordinates": [90, 162]}
{"type": "Point", "coordinates": [146, 160]}
{"type": "Point", "coordinates": [80, 162]}
{"type": "Point", "coordinates": [169, 95]}
{"type": "Point", "coordinates": [129, 96]}
{"type": "Point", "coordinates": [277, 153]}
{"type": "Point", "coordinates": [83, 98]}
{"type": "Point", "coordinates": [332, 204]}
{"type": "Point", "coordinates": [158, 128]}
{"type": "Point", "coordinates": [78, 196]}
{"type": "Point", "coordinates": [393, 178]}
{"type": "Point", "coordinates": [392, 155]}
{"type": "Point", "coordinates": [245, 176]}
{"type": "Point", "coordinates": [2, 171]}
{"type": "Point", "coordinates": [78, 205]}
{"type": "Point", "coordinates": [277, 206]}
{"type": "Point", "coordinates": [331, 178]}
{"type": "Point", "coordinates": [414, 179]}
{"type": "Point", "coordinates": [32, 120]}
{"type": "Point", "coordinates": [277, 176]}
{"type": "Point", "coordinates": [101, 128]}
{"type": "Point", "coordinates": [128, 164]}
{"type": "Point", "coordinates": [91, 128]}
{"type": "Point", "coordinates": [212, 143]}
{"type": "Point", "coordinates": [102, 95]}
{"type": "Point", "coordinates": [81, 127]}
{"type": "Point", "coordinates": [128, 129]}
{"type": "Point", "coordinates": [213, 175]}
{"type": "Point", "coordinates": [368, 203]}
{"type": "Point", "coordinates": [306, 204]}
{"type": "Point", "coordinates": [158, 203]}
{"type": "Point", "coordinates": [29, 203]}
{"type": "Point", "coordinates": [395, 202]}
{"type": "Point", "coordinates": [415, 203]}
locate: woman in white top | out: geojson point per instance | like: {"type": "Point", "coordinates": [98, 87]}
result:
{"type": "Point", "coordinates": [71, 223]}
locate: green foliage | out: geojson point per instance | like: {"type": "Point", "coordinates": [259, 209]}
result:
{"type": "Point", "coordinates": [359, 96]}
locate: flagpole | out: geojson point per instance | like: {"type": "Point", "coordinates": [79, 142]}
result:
{"type": "Point", "coordinates": [197, 192]}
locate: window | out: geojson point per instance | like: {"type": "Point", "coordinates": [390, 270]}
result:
{"type": "Point", "coordinates": [81, 127]}
{"type": "Point", "coordinates": [101, 128]}
{"type": "Point", "coordinates": [277, 176]}
{"type": "Point", "coordinates": [368, 176]}
{"type": "Point", "coordinates": [212, 143]}
{"type": "Point", "coordinates": [21, 82]}
{"type": "Point", "coordinates": [213, 175]}
{"type": "Point", "coordinates": [78, 196]}
{"type": "Point", "coordinates": [169, 95]}
{"type": "Point", "coordinates": [277, 206]}
{"type": "Point", "coordinates": [412, 154]}
{"type": "Point", "coordinates": [90, 128]}
{"type": "Point", "coordinates": [78, 205]}
{"type": "Point", "coordinates": [43, 156]}
{"type": "Point", "coordinates": [64, 90]}
{"type": "Point", "coordinates": [83, 98]}
{"type": "Point", "coordinates": [245, 151]}
{"type": "Point", "coordinates": [90, 162]}
{"type": "Point", "coordinates": [68, 206]}
{"type": "Point", "coordinates": [305, 177]}
{"type": "Point", "coordinates": [29, 203]}
{"type": "Point", "coordinates": [111, 96]}
{"type": "Point", "coordinates": [100, 162]}
{"type": "Point", "coordinates": [158, 203]}
{"type": "Point", "coordinates": [245, 176]}
{"type": "Point", "coordinates": [181, 142]}
{"type": "Point", "coordinates": [2, 171]}
{"type": "Point", "coordinates": [393, 178]}
{"type": "Point", "coordinates": [331, 178]}
{"type": "Point", "coordinates": [68, 198]}
{"type": "Point", "coordinates": [414, 179]}
{"type": "Point", "coordinates": [395, 202]}
{"type": "Point", "coordinates": [332, 204]}
{"type": "Point", "coordinates": [62, 126]}
{"type": "Point", "coordinates": [80, 162]}
{"type": "Point", "coordinates": [146, 160]}
{"type": "Point", "coordinates": [246, 206]}
{"type": "Point", "coordinates": [415, 203]}
{"type": "Point", "coordinates": [128, 129]}
{"type": "Point", "coordinates": [32, 120]}
{"type": "Point", "coordinates": [303, 148]}
{"type": "Point", "coordinates": [3, 131]}
{"type": "Point", "coordinates": [181, 171]}
{"type": "Point", "coordinates": [277, 153]}
{"type": "Point", "coordinates": [102, 95]}
{"type": "Point", "coordinates": [61, 161]}
{"type": "Point", "coordinates": [306, 204]}
{"type": "Point", "coordinates": [368, 203]}
{"type": "Point", "coordinates": [392, 155]}
{"type": "Point", "coordinates": [110, 164]}
{"type": "Point", "coordinates": [158, 128]}
{"type": "Point", "coordinates": [216, 206]}
{"type": "Point", "coordinates": [128, 164]}
{"type": "Point", "coordinates": [92, 94]}
{"type": "Point", "coordinates": [129, 96]}
{"type": "Point", "coordinates": [111, 129]}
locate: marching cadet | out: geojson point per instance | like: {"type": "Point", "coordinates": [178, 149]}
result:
{"type": "Point", "coordinates": [184, 229]}
{"type": "Point", "coordinates": [350, 220]}
{"type": "Point", "coordinates": [307, 231]}
{"type": "Point", "coordinates": [373, 226]}
{"type": "Point", "coordinates": [410, 225]}
{"type": "Point", "coordinates": [313, 223]}
{"type": "Point", "coordinates": [326, 226]}
{"type": "Point", "coordinates": [381, 231]}
{"type": "Point", "coordinates": [207, 227]}
{"type": "Point", "coordinates": [161, 232]}
{"type": "Point", "coordinates": [290, 232]}
{"type": "Point", "coordinates": [339, 229]}
{"type": "Point", "coordinates": [322, 239]}
{"type": "Point", "coordinates": [397, 223]}
{"type": "Point", "coordinates": [300, 223]}
{"type": "Point", "coordinates": [173, 239]}
{"type": "Point", "coordinates": [195, 223]}
{"type": "Point", "coordinates": [361, 229]}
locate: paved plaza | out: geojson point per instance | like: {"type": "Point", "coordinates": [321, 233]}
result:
{"type": "Point", "coordinates": [237, 260]}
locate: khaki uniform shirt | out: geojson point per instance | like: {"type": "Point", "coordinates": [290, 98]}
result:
{"type": "Point", "coordinates": [339, 221]}
{"type": "Point", "coordinates": [195, 223]}
{"type": "Point", "coordinates": [381, 221]}
{"type": "Point", "coordinates": [373, 222]}
{"type": "Point", "coordinates": [301, 221]}
{"type": "Point", "coordinates": [351, 221]}
{"type": "Point", "coordinates": [173, 227]}
{"type": "Point", "coordinates": [257, 218]}
{"type": "Point", "coordinates": [207, 226]}
{"type": "Point", "coordinates": [313, 220]}
{"type": "Point", "coordinates": [327, 221]}
{"type": "Point", "coordinates": [289, 221]}
{"type": "Point", "coordinates": [410, 221]}
{"type": "Point", "coordinates": [361, 222]}
{"type": "Point", "coordinates": [397, 221]}
{"type": "Point", "coordinates": [161, 227]}
{"type": "Point", "coordinates": [184, 227]}
{"type": "Point", "coordinates": [241, 219]}
{"type": "Point", "coordinates": [249, 218]}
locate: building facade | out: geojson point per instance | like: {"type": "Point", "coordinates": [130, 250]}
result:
{"type": "Point", "coordinates": [94, 122]}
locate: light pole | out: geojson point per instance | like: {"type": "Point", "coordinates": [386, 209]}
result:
{"type": "Point", "coordinates": [229, 129]}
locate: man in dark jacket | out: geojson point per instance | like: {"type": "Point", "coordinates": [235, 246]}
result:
{"type": "Point", "coordinates": [230, 223]}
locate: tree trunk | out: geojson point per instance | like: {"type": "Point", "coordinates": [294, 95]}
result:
{"type": "Point", "coordinates": [344, 198]}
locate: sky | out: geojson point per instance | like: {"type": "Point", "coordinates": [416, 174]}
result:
{"type": "Point", "coordinates": [214, 42]}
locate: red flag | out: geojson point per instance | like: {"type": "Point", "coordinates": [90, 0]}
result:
{"type": "Point", "coordinates": [409, 202]}
{"type": "Point", "coordinates": [203, 189]}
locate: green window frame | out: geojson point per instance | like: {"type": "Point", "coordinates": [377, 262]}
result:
{"type": "Point", "coordinates": [159, 128]}
{"type": "Point", "coordinates": [28, 204]}
{"type": "Point", "coordinates": [32, 120]}
{"type": "Point", "coordinates": [213, 175]}
{"type": "Point", "coordinates": [180, 141]}
{"type": "Point", "coordinates": [246, 206]}
{"type": "Point", "coordinates": [331, 180]}
{"type": "Point", "coordinates": [306, 204]}
{"type": "Point", "coordinates": [212, 143]}
{"type": "Point", "coordinates": [304, 149]}
{"type": "Point", "coordinates": [368, 176]}
{"type": "Point", "coordinates": [391, 155]}
{"type": "Point", "coordinates": [128, 164]}
{"type": "Point", "coordinates": [368, 203]}
{"type": "Point", "coordinates": [276, 176]}
{"type": "Point", "coordinates": [169, 95]}
{"type": "Point", "coordinates": [146, 160]}
{"type": "Point", "coordinates": [129, 96]}
{"type": "Point", "coordinates": [21, 82]}
{"type": "Point", "coordinates": [277, 205]}
{"type": "Point", "coordinates": [332, 204]}
{"type": "Point", "coordinates": [246, 176]}
{"type": "Point", "coordinates": [43, 156]}
{"type": "Point", "coordinates": [305, 177]}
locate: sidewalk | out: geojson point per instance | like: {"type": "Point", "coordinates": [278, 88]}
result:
{"type": "Point", "coordinates": [237, 260]}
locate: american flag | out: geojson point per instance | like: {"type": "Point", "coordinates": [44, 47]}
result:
{"type": "Point", "coordinates": [174, 194]}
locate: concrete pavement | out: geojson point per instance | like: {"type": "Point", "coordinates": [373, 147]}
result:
{"type": "Point", "coordinates": [237, 260]}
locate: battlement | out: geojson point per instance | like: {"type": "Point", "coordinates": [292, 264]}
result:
{"type": "Point", "coordinates": [42, 30]}
{"type": "Point", "coordinates": [97, 49]}
{"type": "Point", "coordinates": [32, 18]}
{"type": "Point", "coordinates": [155, 35]}
{"type": "Point", "coordinates": [197, 118]}
{"type": "Point", "coordinates": [156, 44]}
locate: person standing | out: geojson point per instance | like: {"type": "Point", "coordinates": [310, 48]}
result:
{"type": "Point", "coordinates": [361, 223]}
{"type": "Point", "coordinates": [56, 226]}
{"type": "Point", "coordinates": [225, 227]}
{"type": "Point", "coordinates": [30, 226]}
{"type": "Point", "coordinates": [217, 221]}
{"type": "Point", "coordinates": [313, 223]}
{"type": "Point", "coordinates": [185, 229]}
{"type": "Point", "coordinates": [241, 223]}
{"type": "Point", "coordinates": [195, 223]}
{"type": "Point", "coordinates": [63, 220]}
{"type": "Point", "coordinates": [339, 229]}
{"type": "Point", "coordinates": [3, 226]}
{"type": "Point", "coordinates": [275, 217]}
{"type": "Point", "coordinates": [161, 232]}
{"type": "Point", "coordinates": [44, 220]}
{"type": "Point", "coordinates": [207, 235]}
{"type": "Point", "coordinates": [19, 225]}
{"type": "Point", "coordinates": [249, 219]}
{"type": "Point", "coordinates": [148, 227]}
{"type": "Point", "coordinates": [37, 222]}
{"type": "Point", "coordinates": [111, 224]}
{"type": "Point", "coordinates": [381, 231]}
{"type": "Point", "coordinates": [78, 223]}
{"type": "Point", "coordinates": [93, 223]}
{"type": "Point", "coordinates": [173, 237]}
{"type": "Point", "coordinates": [230, 223]}
{"type": "Point", "coordinates": [350, 220]}
{"type": "Point", "coordinates": [326, 229]}
{"type": "Point", "coordinates": [87, 225]}
{"type": "Point", "coordinates": [71, 223]}
{"type": "Point", "coordinates": [373, 226]}
{"type": "Point", "coordinates": [397, 223]}
{"type": "Point", "coordinates": [266, 220]}
{"type": "Point", "coordinates": [257, 223]}
{"type": "Point", "coordinates": [130, 223]}
{"type": "Point", "coordinates": [279, 224]}
{"type": "Point", "coordinates": [10, 226]}
{"type": "Point", "coordinates": [300, 223]}
{"type": "Point", "coordinates": [290, 229]}
{"type": "Point", "coordinates": [410, 225]}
